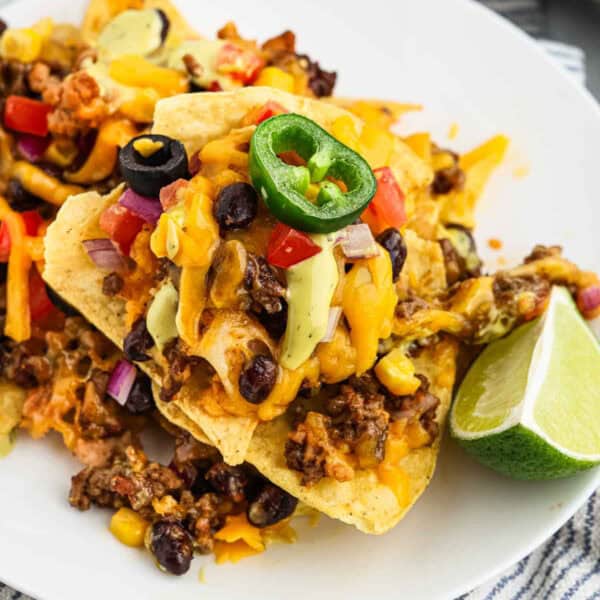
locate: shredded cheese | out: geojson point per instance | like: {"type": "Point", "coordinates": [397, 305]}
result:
{"type": "Point", "coordinates": [237, 539]}
{"type": "Point", "coordinates": [18, 319]}
{"type": "Point", "coordinates": [369, 301]}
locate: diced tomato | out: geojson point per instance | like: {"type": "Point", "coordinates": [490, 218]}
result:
{"type": "Point", "coordinates": [268, 110]}
{"type": "Point", "coordinates": [168, 195]}
{"type": "Point", "coordinates": [26, 115]}
{"type": "Point", "coordinates": [288, 247]}
{"type": "Point", "coordinates": [242, 65]}
{"type": "Point", "coordinates": [215, 86]}
{"type": "Point", "coordinates": [387, 207]}
{"type": "Point", "coordinates": [32, 222]}
{"type": "Point", "coordinates": [121, 225]}
{"type": "Point", "coordinates": [40, 305]}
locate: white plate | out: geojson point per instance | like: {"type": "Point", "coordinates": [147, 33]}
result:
{"type": "Point", "coordinates": [467, 66]}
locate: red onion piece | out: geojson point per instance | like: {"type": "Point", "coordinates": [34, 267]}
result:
{"type": "Point", "coordinates": [121, 381]}
{"type": "Point", "coordinates": [358, 242]}
{"type": "Point", "coordinates": [335, 312]}
{"type": "Point", "coordinates": [32, 147]}
{"type": "Point", "coordinates": [588, 300]}
{"type": "Point", "coordinates": [105, 254]}
{"type": "Point", "coordinates": [146, 208]}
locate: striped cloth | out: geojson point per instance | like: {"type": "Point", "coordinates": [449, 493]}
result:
{"type": "Point", "coordinates": [567, 566]}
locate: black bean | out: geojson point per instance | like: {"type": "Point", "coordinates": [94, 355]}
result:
{"type": "Point", "coordinates": [137, 342]}
{"type": "Point", "coordinates": [258, 378]}
{"type": "Point", "coordinates": [228, 480]}
{"type": "Point", "coordinates": [236, 206]}
{"type": "Point", "coordinates": [271, 506]}
{"type": "Point", "coordinates": [275, 323]}
{"type": "Point", "coordinates": [172, 546]}
{"type": "Point", "coordinates": [391, 239]}
{"type": "Point", "coordinates": [140, 399]}
{"type": "Point", "coordinates": [19, 198]}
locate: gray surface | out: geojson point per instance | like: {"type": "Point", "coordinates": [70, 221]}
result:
{"type": "Point", "coordinates": [577, 22]}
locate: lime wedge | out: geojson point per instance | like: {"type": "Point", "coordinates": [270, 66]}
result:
{"type": "Point", "coordinates": [529, 407]}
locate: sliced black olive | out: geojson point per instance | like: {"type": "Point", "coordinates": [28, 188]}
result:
{"type": "Point", "coordinates": [60, 303]}
{"type": "Point", "coordinates": [147, 175]}
{"type": "Point", "coordinates": [166, 25]}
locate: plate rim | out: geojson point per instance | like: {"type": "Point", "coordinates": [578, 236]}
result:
{"type": "Point", "coordinates": [567, 512]}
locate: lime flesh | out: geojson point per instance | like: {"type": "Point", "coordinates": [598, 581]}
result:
{"type": "Point", "coordinates": [529, 406]}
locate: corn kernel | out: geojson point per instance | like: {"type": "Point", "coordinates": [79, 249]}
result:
{"type": "Point", "coordinates": [397, 373]}
{"type": "Point", "coordinates": [23, 45]}
{"type": "Point", "coordinates": [276, 78]}
{"type": "Point", "coordinates": [128, 527]}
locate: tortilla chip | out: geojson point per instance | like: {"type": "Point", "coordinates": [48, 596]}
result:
{"type": "Point", "coordinates": [363, 502]}
{"type": "Point", "coordinates": [100, 12]}
{"type": "Point", "coordinates": [196, 119]}
{"type": "Point", "coordinates": [70, 272]}
{"type": "Point", "coordinates": [172, 413]}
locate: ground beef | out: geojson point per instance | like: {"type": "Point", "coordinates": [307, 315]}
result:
{"type": "Point", "coordinates": [180, 370]}
{"type": "Point", "coordinates": [228, 480]}
{"type": "Point", "coordinates": [13, 78]}
{"type": "Point", "coordinates": [517, 297]}
{"type": "Point", "coordinates": [358, 418]}
{"type": "Point", "coordinates": [410, 306]}
{"type": "Point", "coordinates": [355, 420]}
{"type": "Point", "coordinates": [456, 268]}
{"type": "Point", "coordinates": [264, 285]}
{"type": "Point", "coordinates": [67, 373]}
{"type": "Point", "coordinates": [77, 104]}
{"type": "Point", "coordinates": [282, 44]}
{"type": "Point", "coordinates": [26, 363]}
{"type": "Point", "coordinates": [321, 82]}
{"type": "Point", "coordinates": [97, 417]}
{"type": "Point", "coordinates": [205, 518]}
{"type": "Point", "coordinates": [129, 481]}
{"type": "Point", "coordinates": [112, 284]}
{"type": "Point", "coordinates": [421, 406]}
{"type": "Point", "coordinates": [539, 251]}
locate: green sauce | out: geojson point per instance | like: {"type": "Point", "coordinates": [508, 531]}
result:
{"type": "Point", "coordinates": [136, 32]}
{"type": "Point", "coordinates": [311, 285]}
{"type": "Point", "coordinates": [160, 319]}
